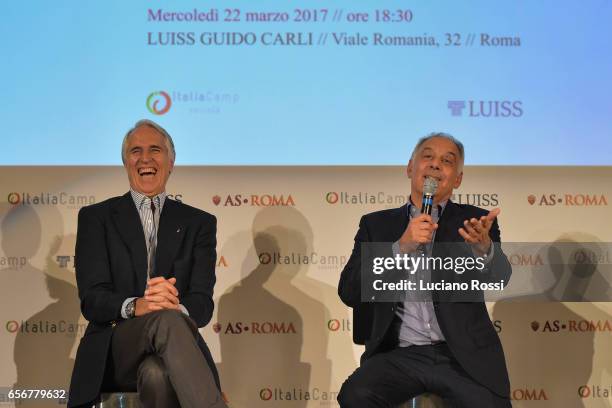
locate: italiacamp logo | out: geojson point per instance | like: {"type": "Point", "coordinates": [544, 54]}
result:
{"type": "Point", "coordinates": [44, 327]}
{"type": "Point", "coordinates": [297, 258]}
{"type": "Point", "coordinates": [73, 201]}
{"type": "Point", "coordinates": [159, 102]}
{"type": "Point", "coordinates": [343, 325]}
{"type": "Point", "coordinates": [364, 198]}
{"type": "Point", "coordinates": [326, 397]}
{"type": "Point", "coordinates": [595, 391]}
{"type": "Point", "coordinates": [192, 101]}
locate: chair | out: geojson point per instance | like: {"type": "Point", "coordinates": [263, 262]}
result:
{"type": "Point", "coordinates": [423, 401]}
{"type": "Point", "coordinates": [126, 400]}
{"type": "Point", "coordinates": [119, 400]}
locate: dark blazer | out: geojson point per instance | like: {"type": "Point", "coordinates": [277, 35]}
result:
{"type": "Point", "coordinates": [111, 265]}
{"type": "Point", "coordinates": [466, 325]}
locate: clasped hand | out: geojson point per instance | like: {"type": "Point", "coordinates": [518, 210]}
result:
{"type": "Point", "coordinates": [160, 294]}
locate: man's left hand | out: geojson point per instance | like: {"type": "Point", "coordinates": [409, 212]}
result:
{"type": "Point", "coordinates": [476, 231]}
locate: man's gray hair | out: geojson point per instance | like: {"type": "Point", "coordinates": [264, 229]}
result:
{"type": "Point", "coordinates": [150, 123]}
{"type": "Point", "coordinates": [443, 135]}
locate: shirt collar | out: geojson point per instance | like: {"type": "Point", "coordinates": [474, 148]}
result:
{"type": "Point", "coordinates": [138, 198]}
{"type": "Point", "coordinates": [414, 211]}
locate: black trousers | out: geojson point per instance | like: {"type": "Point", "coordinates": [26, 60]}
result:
{"type": "Point", "coordinates": [394, 377]}
{"type": "Point", "coordinates": [157, 355]}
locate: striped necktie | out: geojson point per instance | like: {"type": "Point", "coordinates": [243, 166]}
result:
{"type": "Point", "coordinates": [148, 212]}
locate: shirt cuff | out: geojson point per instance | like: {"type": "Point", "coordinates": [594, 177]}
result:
{"type": "Point", "coordinates": [124, 306]}
{"type": "Point", "coordinates": [395, 248]}
{"type": "Point", "coordinates": [488, 256]}
{"type": "Point", "coordinates": [183, 309]}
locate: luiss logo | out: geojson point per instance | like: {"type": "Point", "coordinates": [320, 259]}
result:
{"type": "Point", "coordinates": [477, 199]}
{"type": "Point", "coordinates": [486, 109]}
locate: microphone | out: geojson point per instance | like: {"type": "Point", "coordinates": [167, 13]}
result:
{"type": "Point", "coordinates": [429, 190]}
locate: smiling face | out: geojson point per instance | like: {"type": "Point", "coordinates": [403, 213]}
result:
{"type": "Point", "coordinates": [147, 161]}
{"type": "Point", "coordinates": [439, 158]}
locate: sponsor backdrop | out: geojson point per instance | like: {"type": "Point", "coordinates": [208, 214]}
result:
{"type": "Point", "coordinates": [280, 335]}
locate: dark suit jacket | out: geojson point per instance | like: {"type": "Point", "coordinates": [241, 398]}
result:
{"type": "Point", "coordinates": [111, 265]}
{"type": "Point", "coordinates": [466, 325]}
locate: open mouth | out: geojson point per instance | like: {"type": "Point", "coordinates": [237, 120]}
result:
{"type": "Point", "coordinates": [433, 176]}
{"type": "Point", "coordinates": [147, 172]}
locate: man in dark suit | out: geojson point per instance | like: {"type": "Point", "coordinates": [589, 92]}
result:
{"type": "Point", "coordinates": [145, 269]}
{"type": "Point", "coordinates": [447, 348]}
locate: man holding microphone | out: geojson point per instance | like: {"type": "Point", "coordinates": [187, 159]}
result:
{"type": "Point", "coordinates": [413, 347]}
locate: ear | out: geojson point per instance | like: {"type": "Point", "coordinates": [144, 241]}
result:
{"type": "Point", "coordinates": [458, 180]}
{"type": "Point", "coordinates": [409, 169]}
{"type": "Point", "coordinates": [171, 167]}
